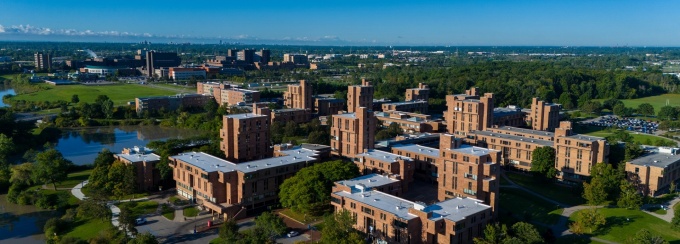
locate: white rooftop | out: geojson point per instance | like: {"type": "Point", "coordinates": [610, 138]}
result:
{"type": "Point", "coordinates": [209, 163]}
{"type": "Point", "coordinates": [528, 131]}
{"type": "Point", "coordinates": [382, 156]}
{"type": "Point", "coordinates": [456, 209]}
{"type": "Point", "coordinates": [473, 150]}
{"type": "Point", "coordinates": [369, 181]}
{"type": "Point", "coordinates": [414, 148]}
{"type": "Point", "coordinates": [383, 201]}
{"type": "Point", "coordinates": [139, 157]}
{"type": "Point", "coordinates": [514, 137]}
{"type": "Point", "coordinates": [245, 115]}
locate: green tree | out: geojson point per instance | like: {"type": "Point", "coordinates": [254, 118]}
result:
{"type": "Point", "coordinates": [291, 129]}
{"type": "Point", "coordinates": [310, 188]}
{"type": "Point", "coordinates": [50, 167]}
{"type": "Point", "coordinates": [604, 184]}
{"type": "Point", "coordinates": [229, 231]}
{"type": "Point", "coordinates": [144, 238]}
{"type": "Point", "coordinates": [75, 99]}
{"type": "Point", "coordinates": [590, 219]}
{"type": "Point", "coordinates": [319, 137]}
{"type": "Point", "coordinates": [667, 112]}
{"type": "Point", "coordinates": [527, 233]}
{"type": "Point", "coordinates": [121, 179]}
{"type": "Point", "coordinates": [493, 234]}
{"type": "Point", "coordinates": [99, 177]}
{"type": "Point", "coordinates": [254, 236]}
{"type": "Point", "coordinates": [6, 147]}
{"type": "Point", "coordinates": [22, 174]}
{"type": "Point", "coordinates": [594, 192]}
{"type": "Point", "coordinates": [338, 229]}
{"type": "Point", "coordinates": [543, 162]}
{"type": "Point", "coordinates": [645, 237]}
{"type": "Point", "coordinates": [646, 109]}
{"type": "Point", "coordinates": [126, 219]}
{"type": "Point", "coordinates": [593, 107]}
{"type": "Point", "coordinates": [621, 110]}
{"type": "Point", "coordinates": [675, 222]}
{"type": "Point", "coordinates": [629, 197]}
{"type": "Point", "coordinates": [271, 224]}
{"type": "Point", "coordinates": [566, 100]}
{"type": "Point", "coordinates": [107, 108]}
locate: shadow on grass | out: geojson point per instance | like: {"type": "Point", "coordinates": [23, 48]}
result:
{"type": "Point", "coordinates": [575, 239]}
{"type": "Point", "coordinates": [615, 221]}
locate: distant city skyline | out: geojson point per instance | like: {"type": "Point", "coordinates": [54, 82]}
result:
{"type": "Point", "coordinates": [453, 23]}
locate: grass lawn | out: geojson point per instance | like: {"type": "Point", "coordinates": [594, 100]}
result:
{"type": "Point", "coordinates": [216, 241]}
{"type": "Point", "coordinates": [528, 207]}
{"type": "Point", "coordinates": [656, 101]}
{"type": "Point", "coordinates": [74, 179]}
{"type": "Point", "coordinates": [504, 182]}
{"type": "Point", "coordinates": [624, 223]}
{"type": "Point", "coordinates": [191, 212]}
{"type": "Point", "coordinates": [141, 208]}
{"type": "Point", "coordinates": [86, 229]}
{"type": "Point", "coordinates": [299, 216]}
{"type": "Point", "coordinates": [559, 193]}
{"type": "Point", "coordinates": [168, 212]}
{"type": "Point", "coordinates": [120, 94]}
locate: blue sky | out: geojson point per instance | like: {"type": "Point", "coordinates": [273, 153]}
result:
{"type": "Point", "coordinates": [492, 22]}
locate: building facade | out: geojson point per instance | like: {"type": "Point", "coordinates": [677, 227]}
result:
{"type": "Point", "coordinates": [373, 161]}
{"type": "Point", "coordinates": [328, 106]}
{"type": "Point", "coordinates": [544, 116]}
{"type": "Point", "coordinates": [155, 60]}
{"type": "Point", "coordinates": [299, 96]}
{"type": "Point", "coordinates": [170, 103]}
{"type": "Point", "coordinates": [420, 93]}
{"type": "Point", "coordinates": [653, 172]}
{"type": "Point", "coordinates": [469, 112]}
{"type": "Point", "coordinates": [351, 133]}
{"type": "Point", "coordinates": [414, 106]}
{"type": "Point", "coordinates": [186, 73]}
{"type": "Point", "coordinates": [43, 61]}
{"type": "Point", "coordinates": [360, 96]}
{"type": "Point", "coordinates": [424, 158]}
{"type": "Point", "coordinates": [237, 96]}
{"type": "Point", "coordinates": [147, 176]}
{"type": "Point", "coordinates": [410, 122]}
{"type": "Point", "coordinates": [246, 137]}
{"type": "Point", "coordinates": [577, 154]}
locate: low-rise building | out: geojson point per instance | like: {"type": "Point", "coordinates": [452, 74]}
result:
{"type": "Point", "coordinates": [425, 159]}
{"type": "Point", "coordinates": [327, 106]}
{"type": "Point", "coordinates": [653, 172]}
{"type": "Point", "coordinates": [147, 176]}
{"type": "Point", "coordinates": [420, 93]}
{"type": "Point", "coordinates": [380, 162]}
{"type": "Point", "coordinates": [286, 115]}
{"type": "Point", "coordinates": [390, 184]}
{"type": "Point", "coordinates": [414, 106]}
{"type": "Point", "coordinates": [237, 96]}
{"type": "Point", "coordinates": [391, 219]}
{"type": "Point", "coordinates": [236, 190]}
{"type": "Point", "coordinates": [186, 73]}
{"type": "Point", "coordinates": [509, 116]}
{"type": "Point", "coordinates": [410, 122]}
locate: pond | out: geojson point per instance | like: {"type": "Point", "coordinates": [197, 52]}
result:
{"type": "Point", "coordinates": [3, 92]}
{"type": "Point", "coordinates": [82, 145]}
{"type": "Point", "coordinates": [22, 224]}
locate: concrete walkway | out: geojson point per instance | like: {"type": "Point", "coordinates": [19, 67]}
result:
{"type": "Point", "coordinates": [668, 217]}
{"type": "Point", "coordinates": [115, 211]}
{"type": "Point", "coordinates": [76, 190]}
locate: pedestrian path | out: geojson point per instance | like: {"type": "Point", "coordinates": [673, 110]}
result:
{"type": "Point", "coordinates": [115, 211]}
{"type": "Point", "coordinates": [670, 213]}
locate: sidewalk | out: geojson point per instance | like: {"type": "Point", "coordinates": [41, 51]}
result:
{"type": "Point", "coordinates": [115, 211]}
{"type": "Point", "coordinates": [670, 213]}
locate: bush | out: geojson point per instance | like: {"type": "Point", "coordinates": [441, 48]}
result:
{"type": "Point", "coordinates": [54, 226]}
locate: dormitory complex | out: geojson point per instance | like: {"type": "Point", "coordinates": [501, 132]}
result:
{"type": "Point", "coordinates": [462, 160]}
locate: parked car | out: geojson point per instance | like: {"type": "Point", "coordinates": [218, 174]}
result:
{"type": "Point", "coordinates": [140, 221]}
{"type": "Point", "coordinates": [293, 234]}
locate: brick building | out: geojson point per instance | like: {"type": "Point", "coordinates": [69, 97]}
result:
{"type": "Point", "coordinates": [299, 96]}
{"type": "Point", "coordinates": [544, 116]}
{"type": "Point", "coordinates": [296, 115]}
{"type": "Point", "coordinates": [351, 133]}
{"type": "Point", "coordinates": [414, 106]}
{"type": "Point", "coordinates": [360, 96]}
{"type": "Point", "coordinates": [576, 154]}
{"type": "Point", "coordinates": [328, 106]}
{"type": "Point", "coordinates": [420, 93]}
{"type": "Point", "coordinates": [424, 158]}
{"type": "Point", "coordinates": [509, 116]}
{"type": "Point", "coordinates": [237, 96]}
{"type": "Point", "coordinates": [246, 137]}
{"type": "Point", "coordinates": [147, 177]}
{"type": "Point", "coordinates": [391, 219]}
{"type": "Point", "coordinates": [187, 73]}
{"type": "Point", "coordinates": [235, 190]}
{"type": "Point", "coordinates": [390, 184]}
{"type": "Point", "coordinates": [469, 112]}
{"type": "Point", "coordinates": [410, 122]}
{"type": "Point", "coordinates": [380, 162]}
{"type": "Point", "coordinates": [653, 172]}
{"type": "Point", "coordinates": [468, 171]}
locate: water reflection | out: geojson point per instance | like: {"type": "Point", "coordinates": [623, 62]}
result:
{"type": "Point", "coordinates": [4, 90]}
{"type": "Point", "coordinates": [82, 145]}
{"type": "Point", "coordinates": [22, 224]}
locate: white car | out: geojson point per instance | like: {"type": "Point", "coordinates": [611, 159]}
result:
{"type": "Point", "coordinates": [140, 221]}
{"type": "Point", "coordinates": [293, 234]}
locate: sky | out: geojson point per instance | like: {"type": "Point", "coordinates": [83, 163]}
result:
{"type": "Point", "coordinates": [349, 22]}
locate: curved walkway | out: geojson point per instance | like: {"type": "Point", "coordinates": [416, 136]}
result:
{"type": "Point", "coordinates": [115, 211]}
{"type": "Point", "coordinates": [670, 213]}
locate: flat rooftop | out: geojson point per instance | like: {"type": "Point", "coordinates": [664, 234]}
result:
{"type": "Point", "coordinates": [656, 159]}
{"type": "Point", "coordinates": [414, 148]}
{"type": "Point", "coordinates": [456, 209]}
{"type": "Point", "coordinates": [472, 150]}
{"type": "Point", "coordinates": [383, 201]}
{"type": "Point", "coordinates": [283, 110]}
{"type": "Point", "coordinates": [244, 116]}
{"type": "Point", "coordinates": [500, 112]}
{"type": "Point", "coordinates": [585, 137]}
{"type": "Point", "coordinates": [526, 131]}
{"type": "Point", "coordinates": [139, 157]}
{"type": "Point", "coordinates": [209, 163]}
{"type": "Point", "coordinates": [346, 115]}
{"type": "Point", "coordinates": [369, 181]}
{"type": "Point", "coordinates": [514, 138]}
{"type": "Point", "coordinates": [407, 102]}
{"type": "Point", "coordinates": [383, 156]}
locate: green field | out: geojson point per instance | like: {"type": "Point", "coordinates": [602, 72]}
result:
{"type": "Point", "coordinates": [74, 179]}
{"type": "Point", "coordinates": [191, 212]}
{"type": "Point", "coordinates": [656, 101]}
{"type": "Point", "coordinates": [120, 94]}
{"type": "Point", "coordinates": [527, 207]}
{"type": "Point", "coordinates": [643, 139]}
{"type": "Point", "coordinates": [622, 224]}
{"type": "Point", "coordinates": [86, 229]}
{"type": "Point", "coordinates": [141, 208]}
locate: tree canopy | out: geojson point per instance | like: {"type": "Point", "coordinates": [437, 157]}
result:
{"type": "Point", "coordinates": [543, 162]}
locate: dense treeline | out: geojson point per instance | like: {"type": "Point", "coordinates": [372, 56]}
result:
{"type": "Point", "coordinates": [517, 82]}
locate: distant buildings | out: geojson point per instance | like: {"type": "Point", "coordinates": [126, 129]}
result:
{"type": "Point", "coordinates": [155, 60]}
{"type": "Point", "coordinates": [186, 73]}
{"type": "Point", "coordinates": [226, 94]}
{"type": "Point", "coordinates": [420, 93]}
{"type": "Point", "coordinates": [327, 106]}
{"type": "Point", "coordinates": [299, 96]}
{"type": "Point", "coordinates": [410, 122]}
{"type": "Point", "coordinates": [43, 60]}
